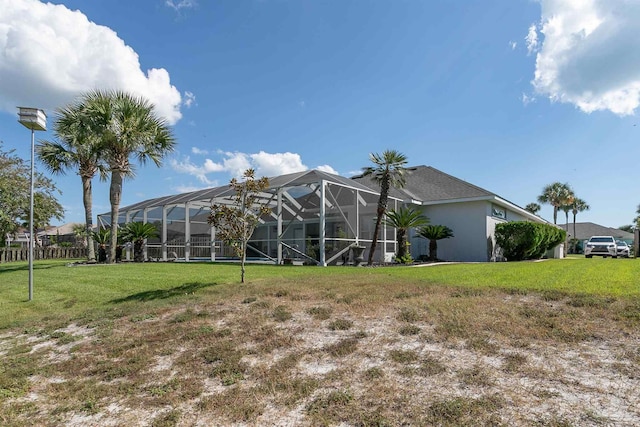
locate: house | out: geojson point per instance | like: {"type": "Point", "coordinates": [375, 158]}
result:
{"type": "Point", "coordinates": [584, 230]}
{"type": "Point", "coordinates": [470, 211]}
{"type": "Point", "coordinates": [317, 216]}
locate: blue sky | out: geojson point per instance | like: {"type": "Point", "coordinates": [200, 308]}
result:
{"type": "Point", "coordinates": [509, 95]}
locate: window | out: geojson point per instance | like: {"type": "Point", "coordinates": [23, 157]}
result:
{"type": "Point", "coordinates": [498, 212]}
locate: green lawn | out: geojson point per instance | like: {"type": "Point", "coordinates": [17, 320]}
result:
{"type": "Point", "coordinates": [64, 292]}
{"type": "Point", "coordinates": [168, 344]}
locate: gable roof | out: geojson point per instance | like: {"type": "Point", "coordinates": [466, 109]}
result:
{"type": "Point", "coordinates": [584, 230]}
{"type": "Point", "coordinates": [428, 184]}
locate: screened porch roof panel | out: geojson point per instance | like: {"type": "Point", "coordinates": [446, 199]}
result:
{"type": "Point", "coordinates": [282, 181]}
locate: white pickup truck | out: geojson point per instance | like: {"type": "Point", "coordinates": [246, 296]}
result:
{"type": "Point", "coordinates": [601, 245]}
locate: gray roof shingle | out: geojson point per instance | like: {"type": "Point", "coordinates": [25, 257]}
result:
{"type": "Point", "coordinates": [428, 184]}
{"type": "Point", "coordinates": [584, 230]}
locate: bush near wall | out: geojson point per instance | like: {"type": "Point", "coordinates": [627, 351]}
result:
{"type": "Point", "coordinates": [520, 240]}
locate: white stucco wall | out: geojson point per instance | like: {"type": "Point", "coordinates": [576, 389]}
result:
{"type": "Point", "coordinates": [473, 224]}
{"type": "Point", "coordinates": [468, 220]}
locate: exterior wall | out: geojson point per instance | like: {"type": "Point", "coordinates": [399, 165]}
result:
{"type": "Point", "coordinates": [468, 220]}
{"type": "Point", "coordinates": [492, 221]}
{"type": "Point", "coordinates": [473, 225]}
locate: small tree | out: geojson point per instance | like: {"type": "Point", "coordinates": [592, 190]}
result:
{"type": "Point", "coordinates": [137, 233]}
{"type": "Point", "coordinates": [102, 237]}
{"type": "Point", "coordinates": [235, 224]}
{"type": "Point", "coordinates": [80, 234]}
{"type": "Point", "coordinates": [402, 220]}
{"type": "Point", "coordinates": [15, 179]}
{"type": "Point", "coordinates": [434, 233]}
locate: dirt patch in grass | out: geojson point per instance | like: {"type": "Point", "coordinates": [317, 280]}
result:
{"type": "Point", "coordinates": [379, 354]}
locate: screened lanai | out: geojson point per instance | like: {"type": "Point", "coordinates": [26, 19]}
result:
{"type": "Point", "coordinates": [315, 218]}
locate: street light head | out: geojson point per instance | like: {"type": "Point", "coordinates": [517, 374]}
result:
{"type": "Point", "coordinates": [32, 118]}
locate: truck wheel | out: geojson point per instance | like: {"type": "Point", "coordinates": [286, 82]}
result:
{"type": "Point", "coordinates": [614, 256]}
{"type": "Point", "coordinates": [588, 256]}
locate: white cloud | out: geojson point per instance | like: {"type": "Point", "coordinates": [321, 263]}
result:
{"type": "Point", "coordinates": [513, 45]}
{"type": "Point", "coordinates": [182, 4]}
{"type": "Point", "coordinates": [189, 99]}
{"type": "Point", "coordinates": [327, 169]}
{"type": "Point", "coordinates": [267, 164]}
{"type": "Point", "coordinates": [532, 39]}
{"type": "Point", "coordinates": [527, 99]}
{"type": "Point", "coordinates": [200, 172]}
{"type": "Point", "coordinates": [196, 150]}
{"type": "Point", "coordinates": [590, 55]}
{"type": "Point", "coordinates": [235, 163]}
{"type": "Point", "coordinates": [50, 54]}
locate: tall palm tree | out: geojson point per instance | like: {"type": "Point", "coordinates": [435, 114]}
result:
{"type": "Point", "coordinates": [556, 194]}
{"type": "Point", "coordinates": [566, 209]}
{"type": "Point", "coordinates": [534, 208]}
{"type": "Point", "coordinates": [75, 148]}
{"type": "Point", "coordinates": [402, 220]}
{"type": "Point", "coordinates": [434, 233]}
{"type": "Point", "coordinates": [388, 171]}
{"type": "Point", "coordinates": [128, 128]}
{"type": "Point", "coordinates": [578, 205]}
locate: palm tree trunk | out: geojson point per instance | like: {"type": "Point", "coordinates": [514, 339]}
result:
{"type": "Point", "coordinates": [115, 195]}
{"type": "Point", "coordinates": [138, 255]}
{"type": "Point", "coordinates": [374, 243]}
{"type": "Point", "coordinates": [555, 215]}
{"type": "Point", "coordinates": [88, 216]}
{"type": "Point", "coordinates": [402, 244]}
{"type": "Point", "coordinates": [382, 207]}
{"type": "Point", "coordinates": [433, 250]}
{"type": "Point", "coordinates": [574, 228]}
{"type": "Point", "coordinates": [243, 259]}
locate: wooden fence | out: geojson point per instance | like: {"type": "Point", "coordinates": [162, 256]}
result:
{"type": "Point", "coordinates": [22, 254]}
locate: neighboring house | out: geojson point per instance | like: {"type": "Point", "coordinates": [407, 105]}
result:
{"type": "Point", "coordinates": [470, 211]}
{"type": "Point", "coordinates": [52, 235]}
{"type": "Point", "coordinates": [21, 238]}
{"type": "Point", "coordinates": [584, 230]}
{"type": "Point", "coordinates": [316, 216]}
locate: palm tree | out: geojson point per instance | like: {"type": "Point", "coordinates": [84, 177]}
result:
{"type": "Point", "coordinates": [402, 220]}
{"type": "Point", "coordinates": [102, 238]}
{"type": "Point", "coordinates": [388, 171]}
{"type": "Point", "coordinates": [137, 232]}
{"type": "Point", "coordinates": [557, 195]}
{"type": "Point", "coordinates": [578, 205]}
{"type": "Point", "coordinates": [80, 234]}
{"type": "Point", "coordinates": [75, 148]}
{"type": "Point", "coordinates": [434, 233]}
{"type": "Point", "coordinates": [566, 209]}
{"type": "Point", "coordinates": [127, 127]}
{"type": "Point", "coordinates": [534, 208]}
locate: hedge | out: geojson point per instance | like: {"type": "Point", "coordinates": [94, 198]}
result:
{"type": "Point", "coordinates": [520, 240]}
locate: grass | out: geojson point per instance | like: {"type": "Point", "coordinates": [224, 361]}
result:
{"type": "Point", "coordinates": [179, 343]}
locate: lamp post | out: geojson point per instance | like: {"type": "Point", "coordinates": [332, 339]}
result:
{"type": "Point", "coordinates": [34, 119]}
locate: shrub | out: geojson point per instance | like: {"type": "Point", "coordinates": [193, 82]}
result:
{"type": "Point", "coordinates": [522, 240]}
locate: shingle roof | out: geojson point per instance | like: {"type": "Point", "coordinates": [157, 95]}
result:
{"type": "Point", "coordinates": [428, 184]}
{"type": "Point", "coordinates": [584, 230]}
